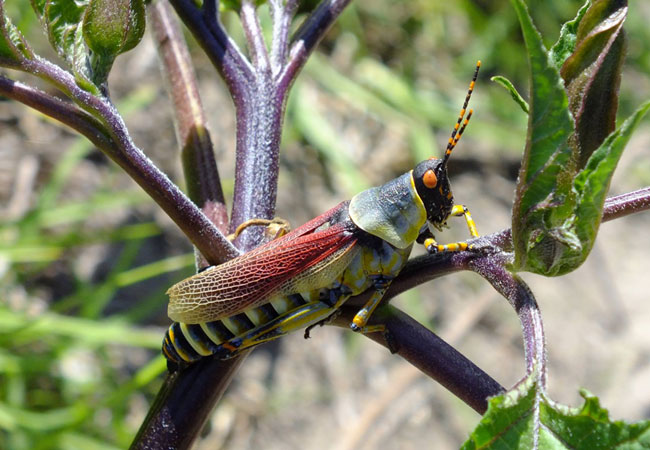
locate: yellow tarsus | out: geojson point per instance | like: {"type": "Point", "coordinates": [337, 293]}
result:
{"type": "Point", "coordinates": [457, 210]}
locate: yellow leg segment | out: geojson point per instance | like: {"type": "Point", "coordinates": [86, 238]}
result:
{"type": "Point", "coordinates": [458, 210]}
{"type": "Point", "coordinates": [275, 228]}
{"type": "Point", "coordinates": [297, 319]}
{"type": "Point", "coordinates": [360, 320]}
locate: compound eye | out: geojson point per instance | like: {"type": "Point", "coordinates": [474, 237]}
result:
{"type": "Point", "coordinates": [430, 179]}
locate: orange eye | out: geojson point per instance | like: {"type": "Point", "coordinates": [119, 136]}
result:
{"type": "Point", "coordinates": [430, 179]}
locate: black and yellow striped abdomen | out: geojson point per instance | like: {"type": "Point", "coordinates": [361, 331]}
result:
{"type": "Point", "coordinates": [191, 342]}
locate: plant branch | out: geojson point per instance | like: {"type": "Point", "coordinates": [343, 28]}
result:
{"type": "Point", "coordinates": [430, 354]}
{"type": "Point", "coordinates": [254, 36]}
{"type": "Point", "coordinates": [491, 264]}
{"type": "Point", "coordinates": [224, 54]}
{"type": "Point", "coordinates": [184, 404]}
{"type": "Point", "coordinates": [308, 36]}
{"type": "Point", "coordinates": [199, 165]}
{"type": "Point", "coordinates": [282, 11]}
{"type": "Point", "coordinates": [429, 267]}
{"type": "Point", "coordinates": [121, 149]}
{"type": "Point", "coordinates": [67, 113]}
{"type": "Point", "coordinates": [519, 295]}
{"type": "Point", "coordinates": [626, 204]}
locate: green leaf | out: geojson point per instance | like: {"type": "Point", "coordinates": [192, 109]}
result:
{"type": "Point", "coordinates": [516, 96]}
{"type": "Point", "coordinates": [89, 34]}
{"type": "Point", "coordinates": [558, 205]}
{"type": "Point", "coordinates": [112, 27]}
{"type": "Point", "coordinates": [592, 74]}
{"type": "Point", "coordinates": [566, 44]}
{"type": "Point", "coordinates": [63, 21]}
{"type": "Point", "coordinates": [525, 416]}
{"type": "Point", "coordinates": [544, 196]}
{"type": "Point", "coordinates": [592, 184]}
{"type": "Point", "coordinates": [13, 46]}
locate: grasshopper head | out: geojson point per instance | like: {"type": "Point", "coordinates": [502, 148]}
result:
{"type": "Point", "coordinates": [430, 176]}
{"type": "Point", "coordinates": [432, 184]}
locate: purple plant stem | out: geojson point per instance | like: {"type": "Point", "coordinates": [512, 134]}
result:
{"type": "Point", "coordinates": [308, 36]}
{"type": "Point", "coordinates": [626, 204]}
{"type": "Point", "coordinates": [259, 111]}
{"type": "Point", "coordinates": [254, 36]}
{"type": "Point", "coordinates": [169, 423]}
{"type": "Point", "coordinates": [282, 11]}
{"type": "Point", "coordinates": [199, 165]}
{"type": "Point", "coordinates": [67, 113]}
{"type": "Point", "coordinates": [519, 295]}
{"type": "Point", "coordinates": [429, 267]}
{"type": "Point", "coordinates": [204, 25]}
{"type": "Point", "coordinates": [259, 101]}
{"type": "Point", "coordinates": [433, 356]}
{"type": "Point", "coordinates": [121, 149]}
{"type": "Point", "coordinates": [259, 123]}
{"type": "Point", "coordinates": [184, 404]}
{"type": "Point", "coordinates": [492, 267]}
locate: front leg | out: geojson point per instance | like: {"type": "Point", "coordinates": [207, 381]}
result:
{"type": "Point", "coordinates": [433, 247]}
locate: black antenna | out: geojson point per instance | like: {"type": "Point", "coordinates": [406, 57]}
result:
{"type": "Point", "coordinates": [458, 129]}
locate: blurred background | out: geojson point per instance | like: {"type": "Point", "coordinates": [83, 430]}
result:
{"type": "Point", "coordinates": [86, 256]}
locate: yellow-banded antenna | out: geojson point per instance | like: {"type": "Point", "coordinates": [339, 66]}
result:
{"type": "Point", "coordinates": [461, 124]}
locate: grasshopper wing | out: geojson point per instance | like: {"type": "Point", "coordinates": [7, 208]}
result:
{"type": "Point", "coordinates": [301, 260]}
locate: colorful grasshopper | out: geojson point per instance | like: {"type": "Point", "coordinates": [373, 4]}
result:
{"type": "Point", "coordinates": [302, 278]}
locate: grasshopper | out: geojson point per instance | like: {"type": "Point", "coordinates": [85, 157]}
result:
{"type": "Point", "coordinates": [302, 278]}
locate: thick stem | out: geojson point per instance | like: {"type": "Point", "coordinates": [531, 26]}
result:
{"type": "Point", "coordinates": [259, 107]}
{"type": "Point", "coordinates": [433, 356]}
{"type": "Point", "coordinates": [199, 165]}
{"type": "Point", "coordinates": [184, 404]}
{"type": "Point", "coordinates": [259, 122]}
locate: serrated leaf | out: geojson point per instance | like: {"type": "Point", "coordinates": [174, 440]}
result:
{"type": "Point", "coordinates": [14, 49]}
{"type": "Point", "coordinates": [555, 219]}
{"type": "Point", "coordinates": [544, 197]}
{"type": "Point", "coordinates": [566, 43]}
{"type": "Point", "coordinates": [63, 21]}
{"type": "Point", "coordinates": [525, 417]}
{"type": "Point", "coordinates": [61, 18]}
{"type": "Point", "coordinates": [592, 74]}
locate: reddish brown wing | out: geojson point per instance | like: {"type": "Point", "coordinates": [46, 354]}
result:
{"type": "Point", "coordinates": [251, 279]}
